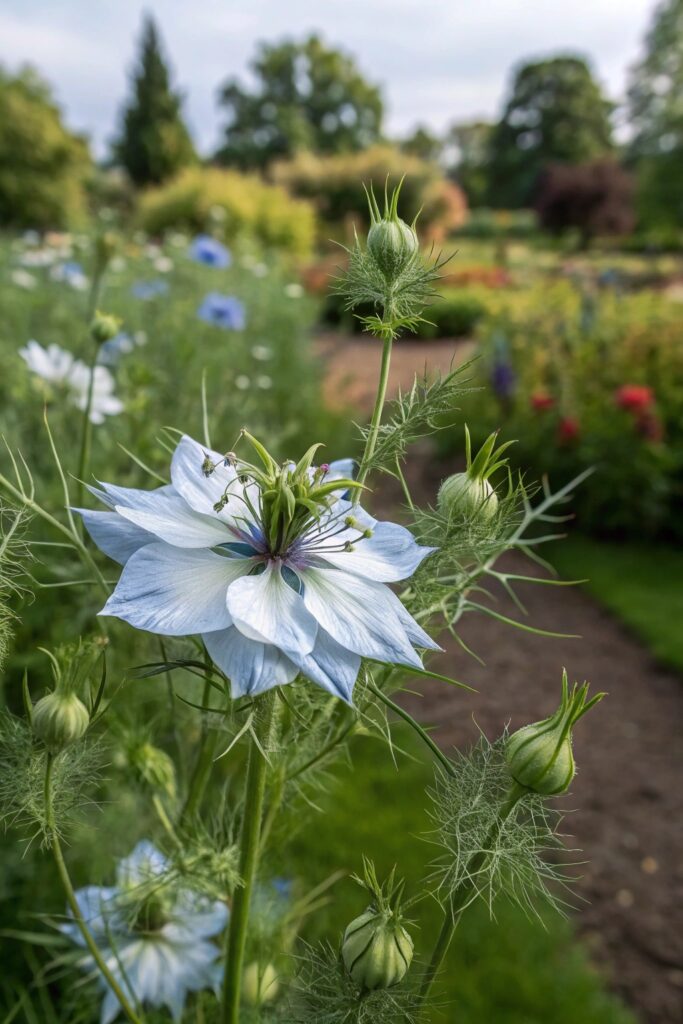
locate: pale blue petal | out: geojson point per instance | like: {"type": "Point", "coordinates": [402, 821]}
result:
{"type": "Point", "coordinates": [173, 521]}
{"type": "Point", "coordinates": [251, 666]}
{"type": "Point", "coordinates": [266, 608]}
{"type": "Point", "coordinates": [201, 492]}
{"type": "Point", "coordinates": [97, 905]}
{"type": "Point", "coordinates": [359, 614]}
{"type": "Point", "coordinates": [390, 554]}
{"type": "Point", "coordinates": [131, 497]}
{"type": "Point", "coordinates": [174, 591]}
{"type": "Point", "coordinates": [331, 666]}
{"type": "Point", "coordinates": [113, 534]}
{"type": "Point", "coordinates": [345, 468]}
{"type": "Point", "coordinates": [144, 862]}
{"type": "Point", "coordinates": [196, 917]}
{"type": "Point", "coordinates": [414, 630]}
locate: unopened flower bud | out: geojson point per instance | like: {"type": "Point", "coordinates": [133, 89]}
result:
{"type": "Point", "coordinates": [540, 756]}
{"type": "Point", "coordinates": [259, 984]}
{"type": "Point", "coordinates": [105, 248]}
{"type": "Point", "coordinates": [392, 243]}
{"type": "Point", "coordinates": [155, 768]}
{"type": "Point", "coordinates": [467, 495]}
{"type": "Point", "coordinates": [60, 719]}
{"type": "Point", "coordinates": [377, 950]}
{"type": "Point", "coordinates": [104, 327]}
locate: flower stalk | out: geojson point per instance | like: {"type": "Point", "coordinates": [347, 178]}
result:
{"type": "Point", "coordinates": [72, 902]}
{"type": "Point", "coordinates": [250, 837]}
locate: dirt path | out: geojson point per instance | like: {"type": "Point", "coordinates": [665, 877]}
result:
{"type": "Point", "coordinates": [628, 791]}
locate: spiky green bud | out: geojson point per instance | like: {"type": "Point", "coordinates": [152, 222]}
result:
{"type": "Point", "coordinates": [392, 243]}
{"type": "Point", "coordinates": [471, 493]}
{"type": "Point", "coordinates": [155, 768]}
{"type": "Point", "coordinates": [60, 719]}
{"type": "Point", "coordinates": [540, 755]}
{"type": "Point", "coordinates": [104, 327]}
{"type": "Point", "coordinates": [260, 985]}
{"type": "Point", "coordinates": [377, 950]}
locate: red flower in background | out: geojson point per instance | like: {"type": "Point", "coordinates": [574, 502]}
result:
{"type": "Point", "coordinates": [568, 429]}
{"type": "Point", "coordinates": [636, 398]}
{"type": "Point", "coordinates": [541, 401]}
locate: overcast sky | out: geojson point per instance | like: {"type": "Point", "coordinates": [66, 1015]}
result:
{"type": "Point", "coordinates": [436, 60]}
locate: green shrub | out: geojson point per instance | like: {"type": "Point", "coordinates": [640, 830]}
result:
{"type": "Point", "coordinates": [335, 184]}
{"type": "Point", "coordinates": [43, 166]}
{"type": "Point", "coordinates": [589, 381]}
{"type": "Point", "coordinates": [243, 204]}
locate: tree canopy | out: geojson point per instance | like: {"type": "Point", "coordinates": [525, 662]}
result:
{"type": "Point", "coordinates": [307, 96]}
{"type": "Point", "coordinates": [656, 116]}
{"type": "Point", "coordinates": [43, 166]}
{"type": "Point", "coordinates": [556, 113]}
{"type": "Point", "coordinates": [154, 143]}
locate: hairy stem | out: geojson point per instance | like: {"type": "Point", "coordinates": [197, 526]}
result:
{"type": "Point", "coordinates": [202, 766]}
{"type": "Point", "coordinates": [255, 787]}
{"type": "Point", "coordinates": [460, 899]}
{"type": "Point", "coordinates": [72, 902]}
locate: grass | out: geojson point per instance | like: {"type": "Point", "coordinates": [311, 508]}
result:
{"type": "Point", "coordinates": [512, 971]}
{"type": "Point", "coordinates": [640, 583]}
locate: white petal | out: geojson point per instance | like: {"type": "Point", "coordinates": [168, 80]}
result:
{"type": "Point", "coordinates": [414, 630]}
{"type": "Point", "coordinates": [201, 492]}
{"type": "Point", "coordinates": [264, 607]}
{"type": "Point", "coordinates": [175, 592]}
{"type": "Point", "coordinates": [143, 863]}
{"type": "Point", "coordinates": [113, 534]}
{"type": "Point", "coordinates": [173, 521]}
{"type": "Point", "coordinates": [331, 666]}
{"type": "Point", "coordinates": [130, 497]}
{"type": "Point", "coordinates": [359, 614]}
{"type": "Point", "coordinates": [390, 554]}
{"type": "Point", "coordinates": [252, 667]}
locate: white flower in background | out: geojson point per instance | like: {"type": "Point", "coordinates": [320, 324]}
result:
{"type": "Point", "coordinates": [22, 279]}
{"type": "Point", "coordinates": [242, 382]}
{"type": "Point", "coordinates": [260, 270]}
{"type": "Point", "coordinates": [262, 353]}
{"type": "Point", "coordinates": [276, 586]}
{"type": "Point", "coordinates": [163, 265]}
{"type": "Point", "coordinates": [58, 367]}
{"type": "Point", "coordinates": [38, 258]}
{"type": "Point", "coordinates": [294, 290]}
{"type": "Point", "coordinates": [264, 382]}
{"type": "Point", "coordinates": [153, 933]}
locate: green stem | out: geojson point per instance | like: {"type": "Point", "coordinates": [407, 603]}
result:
{"type": "Point", "coordinates": [73, 902]}
{"type": "Point", "coordinates": [86, 425]}
{"type": "Point", "coordinates": [461, 897]}
{"type": "Point", "coordinates": [371, 442]}
{"type": "Point", "coordinates": [250, 836]}
{"type": "Point", "coordinates": [422, 733]}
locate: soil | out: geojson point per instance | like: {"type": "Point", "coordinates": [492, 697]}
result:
{"type": "Point", "coordinates": [627, 795]}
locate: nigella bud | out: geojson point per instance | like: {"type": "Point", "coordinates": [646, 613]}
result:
{"type": "Point", "coordinates": [377, 950]}
{"type": "Point", "coordinates": [104, 327]}
{"type": "Point", "coordinates": [260, 985]}
{"type": "Point", "coordinates": [470, 493]}
{"type": "Point", "coordinates": [392, 243]}
{"type": "Point", "coordinates": [540, 756]}
{"type": "Point", "coordinates": [155, 768]}
{"type": "Point", "coordinates": [60, 719]}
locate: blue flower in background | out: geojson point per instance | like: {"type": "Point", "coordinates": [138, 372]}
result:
{"type": "Point", "coordinates": [208, 250]}
{"type": "Point", "coordinates": [154, 934]}
{"type": "Point", "coordinates": [196, 561]}
{"type": "Point", "coordinates": [111, 351]}
{"type": "Point", "coordinates": [147, 290]}
{"type": "Point", "coordinates": [224, 311]}
{"type": "Point", "coordinates": [503, 379]}
{"type": "Point", "coordinates": [70, 273]}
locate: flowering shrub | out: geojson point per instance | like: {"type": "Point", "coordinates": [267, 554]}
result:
{"type": "Point", "coordinates": [585, 381]}
{"type": "Point", "coordinates": [240, 205]}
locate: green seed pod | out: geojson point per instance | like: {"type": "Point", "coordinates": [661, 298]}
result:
{"type": "Point", "coordinates": [377, 950]}
{"type": "Point", "coordinates": [392, 245]}
{"type": "Point", "coordinates": [540, 756]}
{"type": "Point", "coordinates": [155, 768]}
{"type": "Point", "coordinates": [60, 719]}
{"type": "Point", "coordinates": [471, 496]}
{"type": "Point", "coordinates": [104, 327]}
{"type": "Point", "coordinates": [260, 985]}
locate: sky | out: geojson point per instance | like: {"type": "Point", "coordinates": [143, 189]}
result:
{"type": "Point", "coordinates": [437, 61]}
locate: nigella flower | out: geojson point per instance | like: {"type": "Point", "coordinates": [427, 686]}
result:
{"type": "Point", "coordinates": [120, 345]}
{"type": "Point", "coordinates": [153, 933]}
{"type": "Point", "coordinates": [276, 569]}
{"type": "Point", "coordinates": [207, 250]}
{"type": "Point", "coordinates": [70, 273]}
{"type": "Point", "coordinates": [147, 290]}
{"type": "Point", "coordinates": [224, 311]}
{"type": "Point", "coordinates": [57, 366]}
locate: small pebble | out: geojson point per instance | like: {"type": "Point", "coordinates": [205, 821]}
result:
{"type": "Point", "coordinates": [649, 865]}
